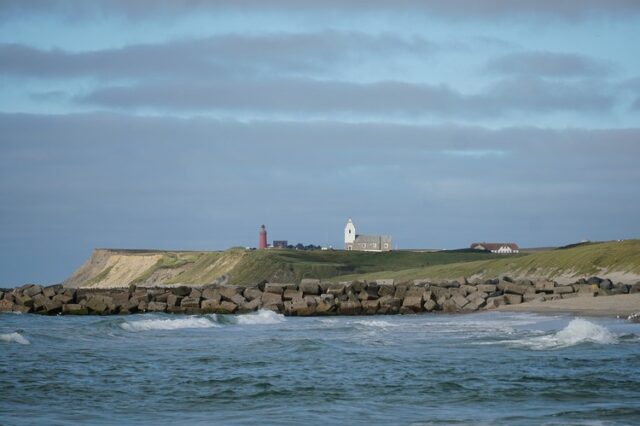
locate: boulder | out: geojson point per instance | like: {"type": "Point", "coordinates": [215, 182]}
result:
{"type": "Point", "coordinates": [349, 307]}
{"type": "Point", "coordinates": [100, 304]}
{"type": "Point", "coordinates": [252, 293]}
{"type": "Point", "coordinates": [173, 300]}
{"type": "Point", "coordinates": [336, 289]}
{"type": "Point", "coordinates": [450, 306]}
{"type": "Point", "coordinates": [459, 300]}
{"type": "Point", "coordinates": [31, 290]}
{"type": "Point", "coordinates": [370, 307]}
{"type": "Point", "coordinates": [325, 304]}
{"type": "Point", "coordinates": [274, 288]}
{"type": "Point", "coordinates": [211, 293]}
{"type": "Point", "coordinates": [63, 298]}
{"type": "Point", "coordinates": [513, 299]}
{"type": "Point", "coordinates": [471, 307]}
{"type": "Point", "coordinates": [357, 286]}
{"type": "Point", "coordinates": [228, 292]}
{"type": "Point", "coordinates": [604, 284]}
{"type": "Point", "coordinates": [250, 305]}
{"type": "Point", "coordinates": [49, 292]}
{"type": "Point", "coordinates": [6, 305]}
{"type": "Point", "coordinates": [430, 305]}
{"type": "Point", "coordinates": [510, 288]}
{"type": "Point", "coordinates": [120, 298]}
{"type": "Point", "coordinates": [389, 305]}
{"type": "Point", "coordinates": [290, 293]}
{"type": "Point", "coordinates": [162, 297]}
{"type": "Point", "coordinates": [238, 300]}
{"type": "Point", "coordinates": [156, 307]}
{"type": "Point", "coordinates": [594, 280]}
{"type": "Point", "coordinates": [385, 289]}
{"type": "Point", "coordinates": [227, 307]}
{"type": "Point", "coordinates": [413, 303]}
{"type": "Point", "coordinates": [271, 299]}
{"type": "Point", "coordinates": [296, 306]}
{"type": "Point", "coordinates": [74, 309]}
{"type": "Point", "coordinates": [130, 307]}
{"type": "Point", "coordinates": [192, 302]}
{"type": "Point", "coordinates": [544, 286]}
{"type": "Point", "coordinates": [634, 288]}
{"type": "Point", "coordinates": [22, 299]}
{"type": "Point", "coordinates": [182, 291]}
{"type": "Point", "coordinates": [140, 295]}
{"type": "Point", "coordinates": [401, 291]}
{"type": "Point", "coordinates": [563, 289]}
{"type": "Point", "coordinates": [494, 302]}
{"type": "Point", "coordinates": [195, 294]}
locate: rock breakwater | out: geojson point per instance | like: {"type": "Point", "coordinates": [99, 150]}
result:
{"type": "Point", "coordinates": [309, 297]}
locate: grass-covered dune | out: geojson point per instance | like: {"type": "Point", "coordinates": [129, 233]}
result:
{"type": "Point", "coordinates": [106, 268]}
{"type": "Point", "coordinates": [117, 268]}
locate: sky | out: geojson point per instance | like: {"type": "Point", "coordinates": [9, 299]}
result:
{"type": "Point", "coordinates": [186, 124]}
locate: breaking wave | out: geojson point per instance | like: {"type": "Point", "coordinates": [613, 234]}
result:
{"type": "Point", "coordinates": [14, 338]}
{"type": "Point", "coordinates": [169, 324]}
{"type": "Point", "coordinates": [376, 323]}
{"type": "Point", "coordinates": [263, 316]}
{"type": "Point", "coordinates": [577, 332]}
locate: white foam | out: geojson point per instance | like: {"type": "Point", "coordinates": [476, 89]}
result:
{"type": "Point", "coordinates": [376, 323]}
{"type": "Point", "coordinates": [578, 331]}
{"type": "Point", "coordinates": [169, 324]}
{"type": "Point", "coordinates": [263, 316]}
{"type": "Point", "coordinates": [14, 338]}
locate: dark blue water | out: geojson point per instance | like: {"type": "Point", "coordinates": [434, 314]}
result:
{"type": "Point", "coordinates": [490, 368]}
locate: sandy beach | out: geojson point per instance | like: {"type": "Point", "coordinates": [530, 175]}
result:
{"type": "Point", "coordinates": [620, 305]}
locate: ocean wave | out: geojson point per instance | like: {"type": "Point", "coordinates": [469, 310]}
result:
{"type": "Point", "coordinates": [376, 323]}
{"type": "Point", "coordinates": [578, 331]}
{"type": "Point", "coordinates": [263, 316]}
{"type": "Point", "coordinates": [169, 324]}
{"type": "Point", "coordinates": [14, 338]}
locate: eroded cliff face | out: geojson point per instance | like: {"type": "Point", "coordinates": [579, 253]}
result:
{"type": "Point", "coordinates": [109, 268]}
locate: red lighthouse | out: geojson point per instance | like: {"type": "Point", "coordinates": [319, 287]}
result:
{"type": "Point", "coordinates": [262, 239]}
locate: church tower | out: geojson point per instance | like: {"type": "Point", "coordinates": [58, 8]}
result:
{"type": "Point", "coordinates": [349, 234]}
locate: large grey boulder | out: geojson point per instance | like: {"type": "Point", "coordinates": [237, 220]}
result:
{"type": "Point", "coordinates": [370, 307]}
{"type": "Point", "coordinates": [413, 303]}
{"type": "Point", "coordinates": [513, 299]}
{"type": "Point", "coordinates": [156, 307]}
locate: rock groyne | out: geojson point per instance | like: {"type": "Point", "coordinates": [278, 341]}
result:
{"type": "Point", "coordinates": [309, 297]}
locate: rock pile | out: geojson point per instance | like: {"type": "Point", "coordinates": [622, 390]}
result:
{"type": "Point", "coordinates": [310, 297]}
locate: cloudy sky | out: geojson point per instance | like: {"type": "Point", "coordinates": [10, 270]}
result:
{"type": "Point", "coordinates": [187, 124]}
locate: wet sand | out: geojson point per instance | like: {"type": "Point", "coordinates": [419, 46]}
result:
{"type": "Point", "coordinates": [621, 305]}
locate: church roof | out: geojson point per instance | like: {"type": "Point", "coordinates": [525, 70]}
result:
{"type": "Point", "coordinates": [373, 239]}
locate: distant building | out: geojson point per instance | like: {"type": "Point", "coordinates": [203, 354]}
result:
{"type": "Point", "coordinates": [505, 248]}
{"type": "Point", "coordinates": [280, 244]}
{"type": "Point", "coordinates": [262, 238]}
{"type": "Point", "coordinates": [353, 241]}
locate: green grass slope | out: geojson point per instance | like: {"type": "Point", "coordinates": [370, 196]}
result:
{"type": "Point", "coordinates": [619, 260]}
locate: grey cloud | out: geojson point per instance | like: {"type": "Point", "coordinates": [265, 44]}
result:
{"type": "Point", "coordinates": [454, 9]}
{"type": "Point", "coordinates": [306, 96]}
{"type": "Point", "coordinates": [223, 55]}
{"type": "Point", "coordinates": [548, 64]}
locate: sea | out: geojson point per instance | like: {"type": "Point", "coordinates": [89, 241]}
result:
{"type": "Point", "coordinates": [489, 368]}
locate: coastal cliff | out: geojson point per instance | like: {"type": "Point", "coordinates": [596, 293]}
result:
{"type": "Point", "coordinates": [618, 261]}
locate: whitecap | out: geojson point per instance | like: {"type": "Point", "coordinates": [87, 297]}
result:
{"type": "Point", "coordinates": [14, 338]}
{"type": "Point", "coordinates": [169, 324]}
{"type": "Point", "coordinates": [375, 323]}
{"type": "Point", "coordinates": [263, 316]}
{"type": "Point", "coordinates": [578, 331]}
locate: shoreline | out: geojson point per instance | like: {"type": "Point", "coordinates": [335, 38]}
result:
{"type": "Point", "coordinates": [621, 306]}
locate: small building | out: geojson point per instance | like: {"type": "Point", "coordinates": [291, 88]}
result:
{"type": "Point", "coordinates": [281, 244]}
{"type": "Point", "coordinates": [503, 248]}
{"type": "Point", "coordinates": [356, 242]}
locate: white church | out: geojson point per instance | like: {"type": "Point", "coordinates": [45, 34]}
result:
{"type": "Point", "coordinates": [355, 242]}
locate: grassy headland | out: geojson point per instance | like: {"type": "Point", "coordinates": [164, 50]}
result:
{"type": "Point", "coordinates": [113, 268]}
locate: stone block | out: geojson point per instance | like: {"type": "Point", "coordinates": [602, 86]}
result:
{"type": "Point", "coordinates": [459, 300]}
{"type": "Point", "coordinates": [386, 289]}
{"type": "Point", "coordinates": [430, 305]}
{"type": "Point", "coordinates": [336, 289]}
{"type": "Point", "coordinates": [414, 303]}
{"type": "Point", "coordinates": [565, 289]}
{"type": "Point", "coordinates": [182, 291]}
{"type": "Point", "coordinates": [228, 292]}
{"type": "Point", "coordinates": [6, 305]}
{"type": "Point", "coordinates": [349, 307]}
{"type": "Point", "coordinates": [32, 290]}
{"type": "Point", "coordinates": [192, 302]}
{"type": "Point", "coordinates": [450, 306]}
{"type": "Point", "coordinates": [290, 293]}
{"type": "Point", "coordinates": [74, 309]}
{"type": "Point", "coordinates": [370, 307]}
{"type": "Point", "coordinates": [252, 293]}
{"type": "Point", "coordinates": [510, 288]}
{"type": "Point", "coordinates": [156, 307]}
{"type": "Point", "coordinates": [513, 299]}
{"type": "Point", "coordinates": [195, 294]}
{"type": "Point", "coordinates": [494, 302]}
{"type": "Point", "coordinates": [211, 293]}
